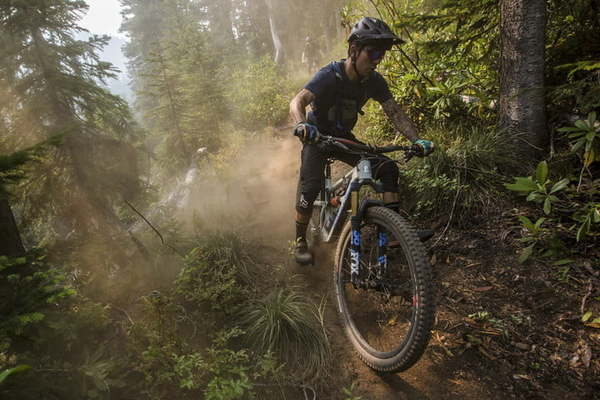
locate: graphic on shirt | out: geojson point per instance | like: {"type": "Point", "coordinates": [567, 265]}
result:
{"type": "Point", "coordinates": [338, 99]}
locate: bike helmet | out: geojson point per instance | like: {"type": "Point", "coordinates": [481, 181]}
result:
{"type": "Point", "coordinates": [375, 32]}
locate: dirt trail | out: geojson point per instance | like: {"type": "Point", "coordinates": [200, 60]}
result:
{"type": "Point", "coordinates": [428, 379]}
{"type": "Point", "coordinates": [433, 377]}
{"type": "Point", "coordinates": [503, 330]}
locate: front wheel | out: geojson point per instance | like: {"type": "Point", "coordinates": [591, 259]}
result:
{"type": "Point", "coordinates": [387, 310]}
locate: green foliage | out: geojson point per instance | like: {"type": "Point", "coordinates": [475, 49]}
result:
{"type": "Point", "coordinates": [40, 309]}
{"type": "Point", "coordinates": [174, 360]}
{"type": "Point", "coordinates": [94, 374]}
{"type": "Point", "coordinates": [446, 71]}
{"type": "Point", "coordinates": [223, 372]}
{"type": "Point", "coordinates": [585, 135]}
{"type": "Point", "coordinates": [215, 271]}
{"type": "Point", "coordinates": [28, 289]}
{"type": "Point", "coordinates": [463, 174]}
{"type": "Point", "coordinates": [11, 371]}
{"type": "Point", "coordinates": [587, 215]}
{"type": "Point", "coordinates": [572, 57]}
{"type": "Point", "coordinates": [260, 94]}
{"type": "Point", "coordinates": [11, 165]}
{"type": "Point", "coordinates": [349, 392]}
{"type": "Point", "coordinates": [52, 82]}
{"type": "Point", "coordinates": [539, 188]}
{"type": "Point", "coordinates": [535, 235]}
{"type": "Point", "coordinates": [289, 325]}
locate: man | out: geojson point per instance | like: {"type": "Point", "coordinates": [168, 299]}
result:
{"type": "Point", "coordinates": [337, 93]}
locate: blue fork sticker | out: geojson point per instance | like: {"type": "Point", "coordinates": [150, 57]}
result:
{"type": "Point", "coordinates": [355, 253]}
{"type": "Point", "coordinates": [355, 238]}
{"type": "Point", "coordinates": [383, 239]}
{"type": "Point", "coordinates": [382, 259]}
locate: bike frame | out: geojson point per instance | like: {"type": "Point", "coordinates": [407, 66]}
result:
{"type": "Point", "coordinates": [355, 179]}
{"type": "Point", "coordinates": [358, 177]}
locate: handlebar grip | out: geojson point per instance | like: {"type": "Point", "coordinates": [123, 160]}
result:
{"type": "Point", "coordinates": [297, 132]}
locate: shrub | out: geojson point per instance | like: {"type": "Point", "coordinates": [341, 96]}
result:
{"type": "Point", "coordinates": [260, 94]}
{"type": "Point", "coordinates": [463, 173]}
{"type": "Point", "coordinates": [215, 272]}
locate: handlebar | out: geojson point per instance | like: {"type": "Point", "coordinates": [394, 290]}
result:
{"type": "Point", "coordinates": [352, 146]}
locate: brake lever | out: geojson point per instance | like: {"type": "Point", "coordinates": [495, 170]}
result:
{"type": "Point", "coordinates": [409, 155]}
{"type": "Point", "coordinates": [340, 145]}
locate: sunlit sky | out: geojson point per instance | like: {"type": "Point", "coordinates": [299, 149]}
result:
{"type": "Point", "coordinates": [103, 17]}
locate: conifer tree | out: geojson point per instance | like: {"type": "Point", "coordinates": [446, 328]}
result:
{"type": "Point", "coordinates": [178, 75]}
{"type": "Point", "coordinates": [53, 81]}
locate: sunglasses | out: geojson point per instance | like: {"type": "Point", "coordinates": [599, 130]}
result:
{"type": "Point", "coordinates": [375, 53]}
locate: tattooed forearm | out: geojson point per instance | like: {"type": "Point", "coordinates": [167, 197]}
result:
{"type": "Point", "coordinates": [298, 105]}
{"type": "Point", "coordinates": [400, 120]}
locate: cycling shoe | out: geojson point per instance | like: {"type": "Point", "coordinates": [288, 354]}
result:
{"type": "Point", "coordinates": [301, 253]}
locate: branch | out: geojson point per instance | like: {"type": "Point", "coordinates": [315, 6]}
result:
{"type": "Point", "coordinates": [155, 230]}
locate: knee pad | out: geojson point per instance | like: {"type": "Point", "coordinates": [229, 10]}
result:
{"type": "Point", "coordinates": [304, 202]}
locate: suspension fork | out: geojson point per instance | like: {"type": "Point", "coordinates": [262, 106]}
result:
{"type": "Point", "coordinates": [355, 238]}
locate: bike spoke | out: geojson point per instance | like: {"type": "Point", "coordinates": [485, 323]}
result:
{"type": "Point", "coordinates": [381, 307]}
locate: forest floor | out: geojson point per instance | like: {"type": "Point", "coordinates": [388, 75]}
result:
{"type": "Point", "coordinates": [502, 329]}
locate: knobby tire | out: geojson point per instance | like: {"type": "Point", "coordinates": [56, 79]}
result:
{"type": "Point", "coordinates": [410, 265]}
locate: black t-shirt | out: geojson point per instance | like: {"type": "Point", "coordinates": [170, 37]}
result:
{"type": "Point", "coordinates": [338, 100]}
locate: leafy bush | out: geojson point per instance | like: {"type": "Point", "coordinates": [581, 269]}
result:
{"type": "Point", "coordinates": [538, 188]}
{"type": "Point", "coordinates": [463, 174]}
{"type": "Point", "coordinates": [585, 137]}
{"type": "Point", "coordinates": [574, 207]}
{"type": "Point", "coordinates": [215, 272]}
{"type": "Point", "coordinates": [260, 94]}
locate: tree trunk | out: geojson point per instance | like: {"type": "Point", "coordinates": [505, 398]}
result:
{"type": "Point", "coordinates": [10, 239]}
{"type": "Point", "coordinates": [522, 108]}
{"type": "Point", "coordinates": [275, 34]}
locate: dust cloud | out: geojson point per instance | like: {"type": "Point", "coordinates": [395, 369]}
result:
{"type": "Point", "coordinates": [256, 193]}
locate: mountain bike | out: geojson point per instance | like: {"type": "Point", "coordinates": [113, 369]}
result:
{"type": "Point", "coordinates": [382, 277]}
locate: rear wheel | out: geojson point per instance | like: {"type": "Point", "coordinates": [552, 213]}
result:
{"type": "Point", "coordinates": [387, 312]}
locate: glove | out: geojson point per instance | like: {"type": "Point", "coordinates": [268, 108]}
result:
{"type": "Point", "coordinates": [423, 147]}
{"type": "Point", "coordinates": [307, 133]}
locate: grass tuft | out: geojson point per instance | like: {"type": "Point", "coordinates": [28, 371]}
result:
{"type": "Point", "coordinates": [465, 173]}
{"type": "Point", "coordinates": [286, 323]}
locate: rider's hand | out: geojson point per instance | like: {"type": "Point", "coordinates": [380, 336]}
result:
{"type": "Point", "coordinates": [423, 147]}
{"type": "Point", "coordinates": [307, 133]}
